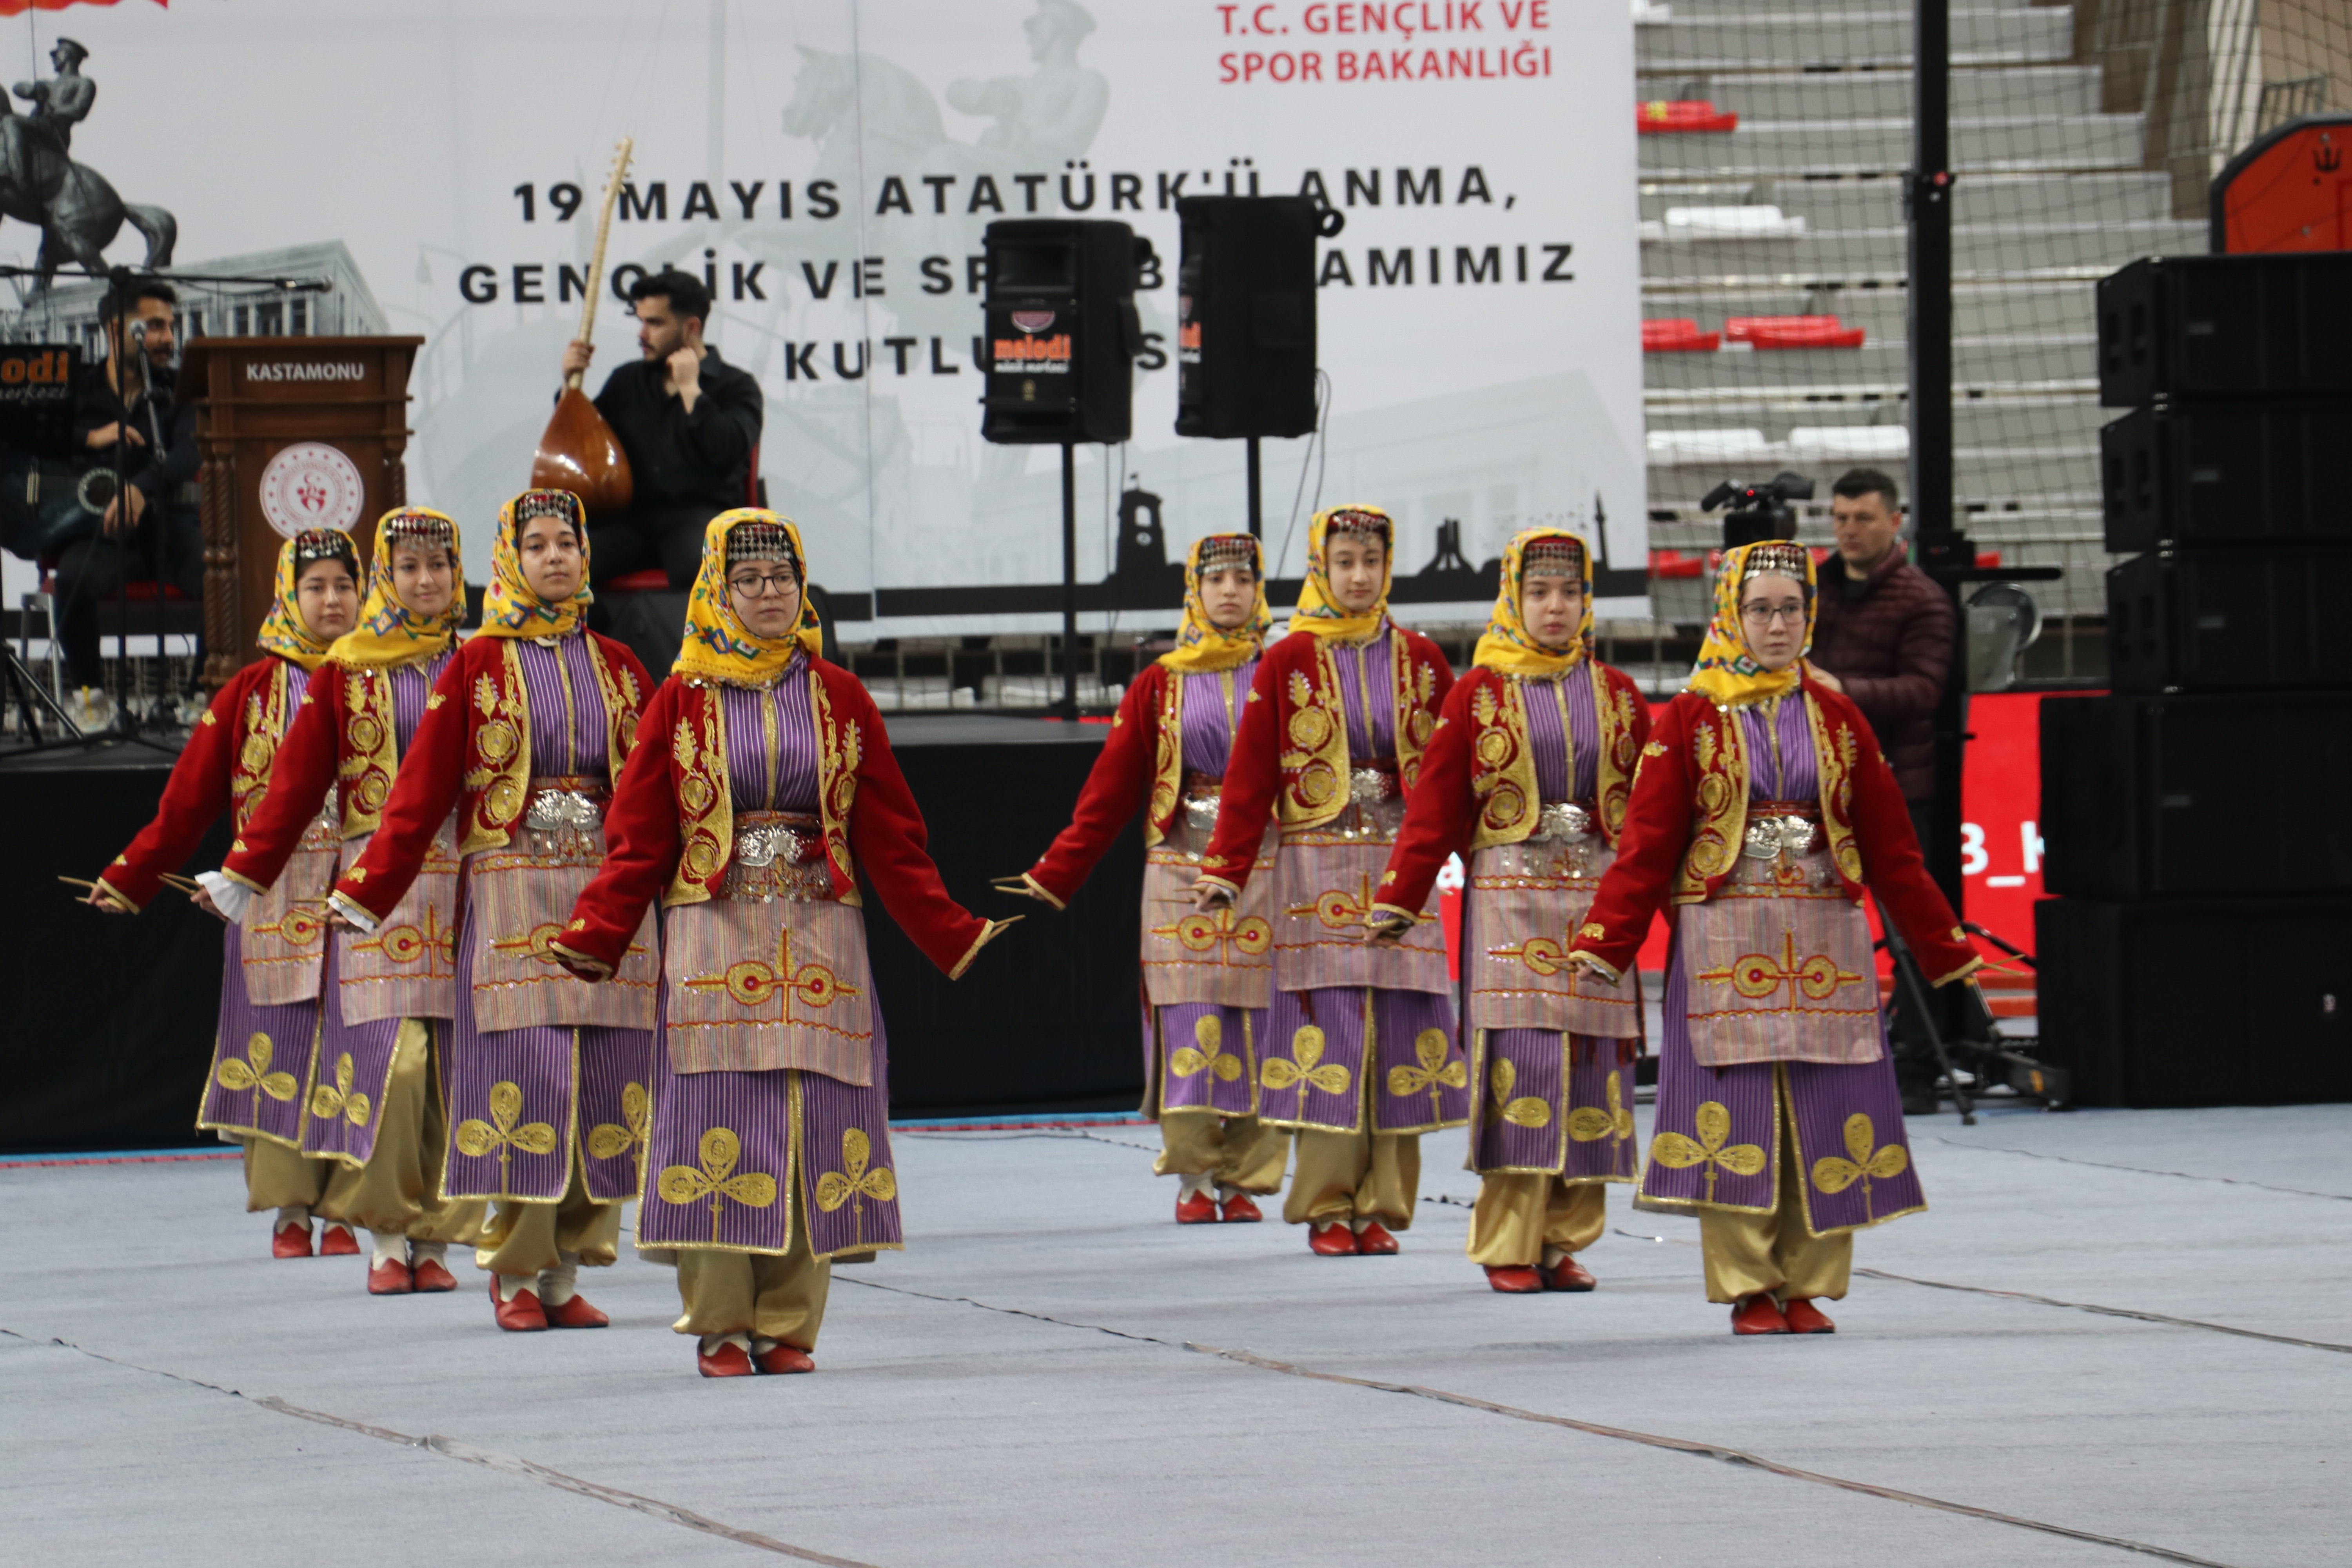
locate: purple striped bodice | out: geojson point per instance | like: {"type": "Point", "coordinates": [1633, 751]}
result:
{"type": "Point", "coordinates": [1564, 726]}
{"type": "Point", "coordinates": [1368, 686]}
{"type": "Point", "coordinates": [568, 730]}
{"type": "Point", "coordinates": [411, 685]}
{"type": "Point", "coordinates": [1797, 775]}
{"type": "Point", "coordinates": [771, 743]}
{"type": "Point", "coordinates": [1208, 728]}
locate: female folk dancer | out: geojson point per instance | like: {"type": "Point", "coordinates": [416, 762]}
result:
{"type": "Point", "coordinates": [389, 997]}
{"type": "Point", "coordinates": [766, 784]}
{"type": "Point", "coordinates": [1207, 979]}
{"type": "Point", "coordinates": [1528, 775]}
{"type": "Point", "coordinates": [1762, 811]}
{"type": "Point", "coordinates": [1360, 1055]}
{"type": "Point", "coordinates": [261, 1075]}
{"type": "Point", "coordinates": [547, 1079]}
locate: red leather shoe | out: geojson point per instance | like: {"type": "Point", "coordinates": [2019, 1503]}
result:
{"type": "Point", "coordinates": [1803, 1317]}
{"type": "Point", "coordinates": [430, 1276]}
{"type": "Point", "coordinates": [1196, 1209]}
{"type": "Point", "coordinates": [783, 1359]}
{"type": "Point", "coordinates": [1514, 1278]}
{"type": "Point", "coordinates": [291, 1241]}
{"type": "Point", "coordinates": [1374, 1241]}
{"type": "Point", "coordinates": [1239, 1210]}
{"type": "Point", "coordinates": [520, 1316]}
{"type": "Point", "coordinates": [1331, 1240]}
{"type": "Point", "coordinates": [1568, 1274]}
{"type": "Point", "coordinates": [576, 1313]}
{"type": "Point", "coordinates": [337, 1241]}
{"type": "Point", "coordinates": [730, 1359]}
{"type": "Point", "coordinates": [391, 1278]}
{"type": "Point", "coordinates": [1758, 1314]}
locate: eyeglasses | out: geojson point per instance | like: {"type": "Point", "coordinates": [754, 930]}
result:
{"type": "Point", "coordinates": [1765, 614]}
{"type": "Point", "coordinates": [759, 585]}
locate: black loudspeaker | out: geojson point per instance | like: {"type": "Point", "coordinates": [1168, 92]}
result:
{"type": "Point", "coordinates": [2197, 1002]}
{"type": "Point", "coordinates": [2225, 474]}
{"type": "Point", "coordinates": [2188, 327]}
{"type": "Point", "coordinates": [2196, 797]}
{"type": "Point", "coordinates": [2211, 620]}
{"type": "Point", "coordinates": [1062, 332]}
{"type": "Point", "coordinates": [1245, 316]}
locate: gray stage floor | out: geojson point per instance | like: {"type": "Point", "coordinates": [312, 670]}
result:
{"type": "Point", "coordinates": [1033, 1384]}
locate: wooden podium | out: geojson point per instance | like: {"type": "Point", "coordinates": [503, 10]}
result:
{"type": "Point", "coordinates": [294, 433]}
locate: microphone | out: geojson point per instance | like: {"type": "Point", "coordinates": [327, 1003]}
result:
{"type": "Point", "coordinates": [139, 332]}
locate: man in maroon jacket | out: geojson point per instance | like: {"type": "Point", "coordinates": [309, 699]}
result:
{"type": "Point", "coordinates": [1884, 632]}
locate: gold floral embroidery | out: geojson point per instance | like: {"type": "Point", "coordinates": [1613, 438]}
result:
{"type": "Point", "coordinates": [298, 927]}
{"type": "Point", "coordinates": [1306, 1047]}
{"type": "Point", "coordinates": [1435, 1073]}
{"type": "Point", "coordinates": [532, 943]}
{"type": "Point", "coordinates": [611, 1140]}
{"type": "Point", "coordinates": [1868, 1158]}
{"type": "Point", "coordinates": [718, 1180]}
{"type": "Point", "coordinates": [853, 1183]}
{"type": "Point", "coordinates": [1585, 1123]}
{"type": "Point", "coordinates": [1540, 953]}
{"type": "Point", "coordinates": [1713, 1124]}
{"type": "Point", "coordinates": [1339, 909]}
{"type": "Point", "coordinates": [327, 1102]}
{"type": "Point", "coordinates": [1594, 930]}
{"type": "Point", "coordinates": [1210, 1031]}
{"type": "Point", "coordinates": [1220, 931]}
{"type": "Point", "coordinates": [411, 944]}
{"type": "Point", "coordinates": [1525, 1111]}
{"type": "Point", "coordinates": [754, 984]}
{"type": "Point", "coordinates": [1756, 975]}
{"type": "Point", "coordinates": [501, 1134]}
{"type": "Point", "coordinates": [252, 1073]}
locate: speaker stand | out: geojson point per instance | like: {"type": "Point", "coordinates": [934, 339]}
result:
{"type": "Point", "coordinates": [1070, 577]}
{"type": "Point", "coordinates": [1256, 494]}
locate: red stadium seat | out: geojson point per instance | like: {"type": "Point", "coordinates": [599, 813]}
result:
{"type": "Point", "coordinates": [1793, 332]}
{"type": "Point", "coordinates": [1677, 334]}
{"type": "Point", "coordinates": [1663, 115]}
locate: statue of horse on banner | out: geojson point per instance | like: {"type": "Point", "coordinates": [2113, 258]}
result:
{"type": "Point", "coordinates": [76, 211]}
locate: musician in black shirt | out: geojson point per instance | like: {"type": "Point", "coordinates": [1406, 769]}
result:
{"type": "Point", "coordinates": [689, 422]}
{"type": "Point", "coordinates": [121, 406]}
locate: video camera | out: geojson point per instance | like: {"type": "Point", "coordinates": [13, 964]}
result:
{"type": "Point", "coordinates": [1758, 511]}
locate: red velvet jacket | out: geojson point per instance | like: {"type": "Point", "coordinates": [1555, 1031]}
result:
{"type": "Point", "coordinates": [1291, 753]}
{"type": "Point", "coordinates": [1142, 759]}
{"type": "Point", "coordinates": [343, 733]}
{"type": "Point", "coordinates": [225, 766]}
{"type": "Point", "coordinates": [1689, 820]}
{"type": "Point", "coordinates": [472, 752]}
{"type": "Point", "coordinates": [670, 828]}
{"type": "Point", "coordinates": [1478, 780]}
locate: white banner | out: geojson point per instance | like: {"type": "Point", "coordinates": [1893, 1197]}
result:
{"type": "Point", "coordinates": [830, 166]}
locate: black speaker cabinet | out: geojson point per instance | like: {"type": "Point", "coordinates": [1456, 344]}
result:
{"type": "Point", "coordinates": [1245, 316]}
{"type": "Point", "coordinates": [2226, 474]}
{"type": "Point", "coordinates": [2196, 797]}
{"type": "Point", "coordinates": [2197, 1002]}
{"type": "Point", "coordinates": [2228, 620]}
{"type": "Point", "coordinates": [1062, 333]}
{"type": "Point", "coordinates": [2188, 327]}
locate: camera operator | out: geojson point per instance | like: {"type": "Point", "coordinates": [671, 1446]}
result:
{"type": "Point", "coordinates": [1884, 635]}
{"type": "Point", "coordinates": [148, 529]}
{"type": "Point", "coordinates": [688, 421]}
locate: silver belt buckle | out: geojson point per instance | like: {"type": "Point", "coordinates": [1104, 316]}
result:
{"type": "Point", "coordinates": [1201, 812]}
{"type": "Point", "coordinates": [553, 810]}
{"type": "Point", "coordinates": [1561, 820]}
{"type": "Point", "coordinates": [769, 844]}
{"type": "Point", "coordinates": [1771, 836]}
{"type": "Point", "coordinates": [1369, 786]}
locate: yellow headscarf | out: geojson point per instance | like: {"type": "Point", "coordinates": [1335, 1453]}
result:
{"type": "Point", "coordinates": [1202, 646]}
{"type": "Point", "coordinates": [284, 632]}
{"type": "Point", "coordinates": [1508, 647]}
{"type": "Point", "coordinates": [1318, 612]}
{"type": "Point", "coordinates": [388, 632]}
{"type": "Point", "coordinates": [1726, 674]}
{"type": "Point", "coordinates": [510, 608]}
{"type": "Point", "coordinates": [719, 646]}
